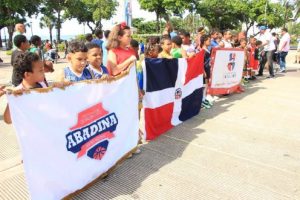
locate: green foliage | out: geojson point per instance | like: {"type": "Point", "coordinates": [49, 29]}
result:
{"type": "Point", "coordinates": [9, 52]}
{"type": "Point", "coordinates": [144, 27]}
{"type": "Point", "coordinates": [80, 37]}
{"type": "Point", "coordinates": [61, 47]}
{"type": "Point", "coordinates": [91, 11]}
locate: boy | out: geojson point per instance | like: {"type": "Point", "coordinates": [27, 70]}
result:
{"type": "Point", "coordinates": [187, 44]}
{"type": "Point", "coordinates": [166, 46]}
{"type": "Point", "coordinates": [94, 58]}
{"type": "Point", "coordinates": [177, 51]}
{"type": "Point", "coordinates": [77, 58]}
{"type": "Point", "coordinates": [22, 45]}
{"type": "Point", "coordinates": [98, 40]}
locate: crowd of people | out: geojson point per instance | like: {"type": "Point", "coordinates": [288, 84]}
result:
{"type": "Point", "coordinates": [111, 52]}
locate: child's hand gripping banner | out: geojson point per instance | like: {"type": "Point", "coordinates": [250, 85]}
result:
{"type": "Point", "coordinates": [70, 137]}
{"type": "Point", "coordinates": [173, 92]}
{"type": "Point", "coordinates": [226, 71]}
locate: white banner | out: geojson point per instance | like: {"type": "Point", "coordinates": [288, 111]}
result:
{"type": "Point", "coordinates": [70, 137]}
{"type": "Point", "coordinates": [226, 71]}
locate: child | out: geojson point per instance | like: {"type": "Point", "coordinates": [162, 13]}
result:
{"type": "Point", "coordinates": [77, 58]}
{"type": "Point", "coordinates": [177, 51]}
{"type": "Point", "coordinates": [29, 66]}
{"type": "Point", "coordinates": [166, 45]}
{"type": "Point", "coordinates": [36, 44]}
{"type": "Point", "coordinates": [120, 55]}
{"type": "Point", "coordinates": [88, 38]}
{"type": "Point", "coordinates": [152, 50]}
{"type": "Point", "coordinates": [135, 46]}
{"type": "Point", "coordinates": [253, 58]}
{"type": "Point", "coordinates": [187, 44]}
{"type": "Point", "coordinates": [22, 45]}
{"type": "Point", "coordinates": [243, 46]}
{"type": "Point", "coordinates": [205, 43]}
{"type": "Point", "coordinates": [94, 58]}
{"type": "Point", "coordinates": [98, 40]}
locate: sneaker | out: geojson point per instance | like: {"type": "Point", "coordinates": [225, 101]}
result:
{"type": "Point", "coordinates": [208, 102]}
{"type": "Point", "coordinates": [206, 105]}
{"type": "Point", "coordinates": [252, 78]}
{"type": "Point", "coordinates": [282, 71]}
{"type": "Point", "coordinates": [259, 75]}
{"type": "Point", "coordinates": [272, 76]}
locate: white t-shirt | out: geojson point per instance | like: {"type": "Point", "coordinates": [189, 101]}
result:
{"type": "Point", "coordinates": [227, 44]}
{"type": "Point", "coordinates": [284, 44]}
{"type": "Point", "coordinates": [267, 37]}
{"type": "Point", "coordinates": [189, 48]}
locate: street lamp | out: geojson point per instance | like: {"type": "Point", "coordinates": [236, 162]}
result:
{"type": "Point", "coordinates": [31, 28]}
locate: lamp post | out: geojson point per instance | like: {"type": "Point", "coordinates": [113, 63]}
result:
{"type": "Point", "coordinates": [31, 28]}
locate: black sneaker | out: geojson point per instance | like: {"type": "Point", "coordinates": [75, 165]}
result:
{"type": "Point", "coordinates": [259, 75]}
{"type": "Point", "coordinates": [272, 76]}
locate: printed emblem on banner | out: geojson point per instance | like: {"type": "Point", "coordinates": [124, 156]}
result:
{"type": "Point", "coordinates": [231, 63]}
{"type": "Point", "coordinates": [91, 135]}
{"type": "Point", "coordinates": [178, 93]}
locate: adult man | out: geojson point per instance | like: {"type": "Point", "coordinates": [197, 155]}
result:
{"type": "Point", "coordinates": [19, 30]}
{"type": "Point", "coordinates": [283, 48]}
{"type": "Point", "coordinates": [214, 36]}
{"type": "Point", "coordinates": [268, 51]}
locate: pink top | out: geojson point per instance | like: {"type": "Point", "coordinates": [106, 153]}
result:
{"type": "Point", "coordinates": [122, 55]}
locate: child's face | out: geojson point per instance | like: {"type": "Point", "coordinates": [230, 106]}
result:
{"type": "Point", "coordinates": [94, 57]}
{"type": "Point", "coordinates": [37, 74]}
{"type": "Point", "coordinates": [25, 45]}
{"type": "Point", "coordinates": [78, 61]}
{"type": "Point", "coordinates": [167, 46]}
{"type": "Point", "coordinates": [126, 38]}
{"type": "Point", "coordinates": [243, 44]}
{"type": "Point", "coordinates": [252, 41]}
{"type": "Point", "coordinates": [207, 42]}
{"type": "Point", "coordinates": [185, 40]}
{"type": "Point", "coordinates": [153, 54]}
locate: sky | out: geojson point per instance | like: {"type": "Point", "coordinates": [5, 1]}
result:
{"type": "Point", "coordinates": [72, 27]}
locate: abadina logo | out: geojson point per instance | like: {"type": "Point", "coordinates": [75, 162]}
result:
{"type": "Point", "coordinates": [90, 136]}
{"type": "Point", "coordinates": [231, 63]}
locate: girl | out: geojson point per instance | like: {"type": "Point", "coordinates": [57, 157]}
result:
{"type": "Point", "coordinates": [177, 51]}
{"type": "Point", "coordinates": [205, 43]}
{"type": "Point", "coordinates": [120, 55]}
{"type": "Point", "coordinates": [166, 45]}
{"type": "Point", "coordinates": [77, 58]}
{"type": "Point", "coordinates": [94, 58]}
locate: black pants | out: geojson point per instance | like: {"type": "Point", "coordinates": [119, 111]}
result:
{"type": "Point", "coordinates": [267, 56]}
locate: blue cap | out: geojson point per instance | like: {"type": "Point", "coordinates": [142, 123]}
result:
{"type": "Point", "coordinates": [262, 28]}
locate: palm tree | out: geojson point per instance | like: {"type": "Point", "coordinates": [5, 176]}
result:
{"type": "Point", "coordinates": [48, 22]}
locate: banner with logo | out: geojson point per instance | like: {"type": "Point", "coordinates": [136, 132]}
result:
{"type": "Point", "coordinates": [70, 137]}
{"type": "Point", "coordinates": [226, 71]}
{"type": "Point", "coordinates": [173, 92]}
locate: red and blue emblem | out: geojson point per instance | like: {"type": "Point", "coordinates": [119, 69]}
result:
{"type": "Point", "coordinates": [92, 132]}
{"type": "Point", "coordinates": [231, 63]}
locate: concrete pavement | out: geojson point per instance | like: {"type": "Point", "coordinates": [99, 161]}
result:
{"type": "Point", "coordinates": [246, 147]}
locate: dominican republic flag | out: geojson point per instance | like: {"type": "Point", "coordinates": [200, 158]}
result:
{"type": "Point", "coordinates": [173, 92]}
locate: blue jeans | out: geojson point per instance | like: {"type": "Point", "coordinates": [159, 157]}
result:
{"type": "Point", "coordinates": [282, 56]}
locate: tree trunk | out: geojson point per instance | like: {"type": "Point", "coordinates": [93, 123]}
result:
{"type": "Point", "coordinates": [157, 22]}
{"type": "Point", "coordinates": [0, 40]}
{"type": "Point", "coordinates": [10, 35]}
{"type": "Point", "coordinates": [50, 34]}
{"type": "Point", "coordinates": [58, 24]}
{"type": "Point", "coordinates": [90, 27]}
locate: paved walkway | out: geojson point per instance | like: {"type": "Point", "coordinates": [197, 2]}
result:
{"type": "Point", "coordinates": [246, 147]}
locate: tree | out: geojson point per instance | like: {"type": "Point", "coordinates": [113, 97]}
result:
{"type": "Point", "coordinates": [48, 22]}
{"type": "Point", "coordinates": [56, 6]}
{"type": "Point", "coordinates": [91, 12]}
{"type": "Point", "coordinates": [12, 12]}
{"type": "Point", "coordinates": [165, 8]}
